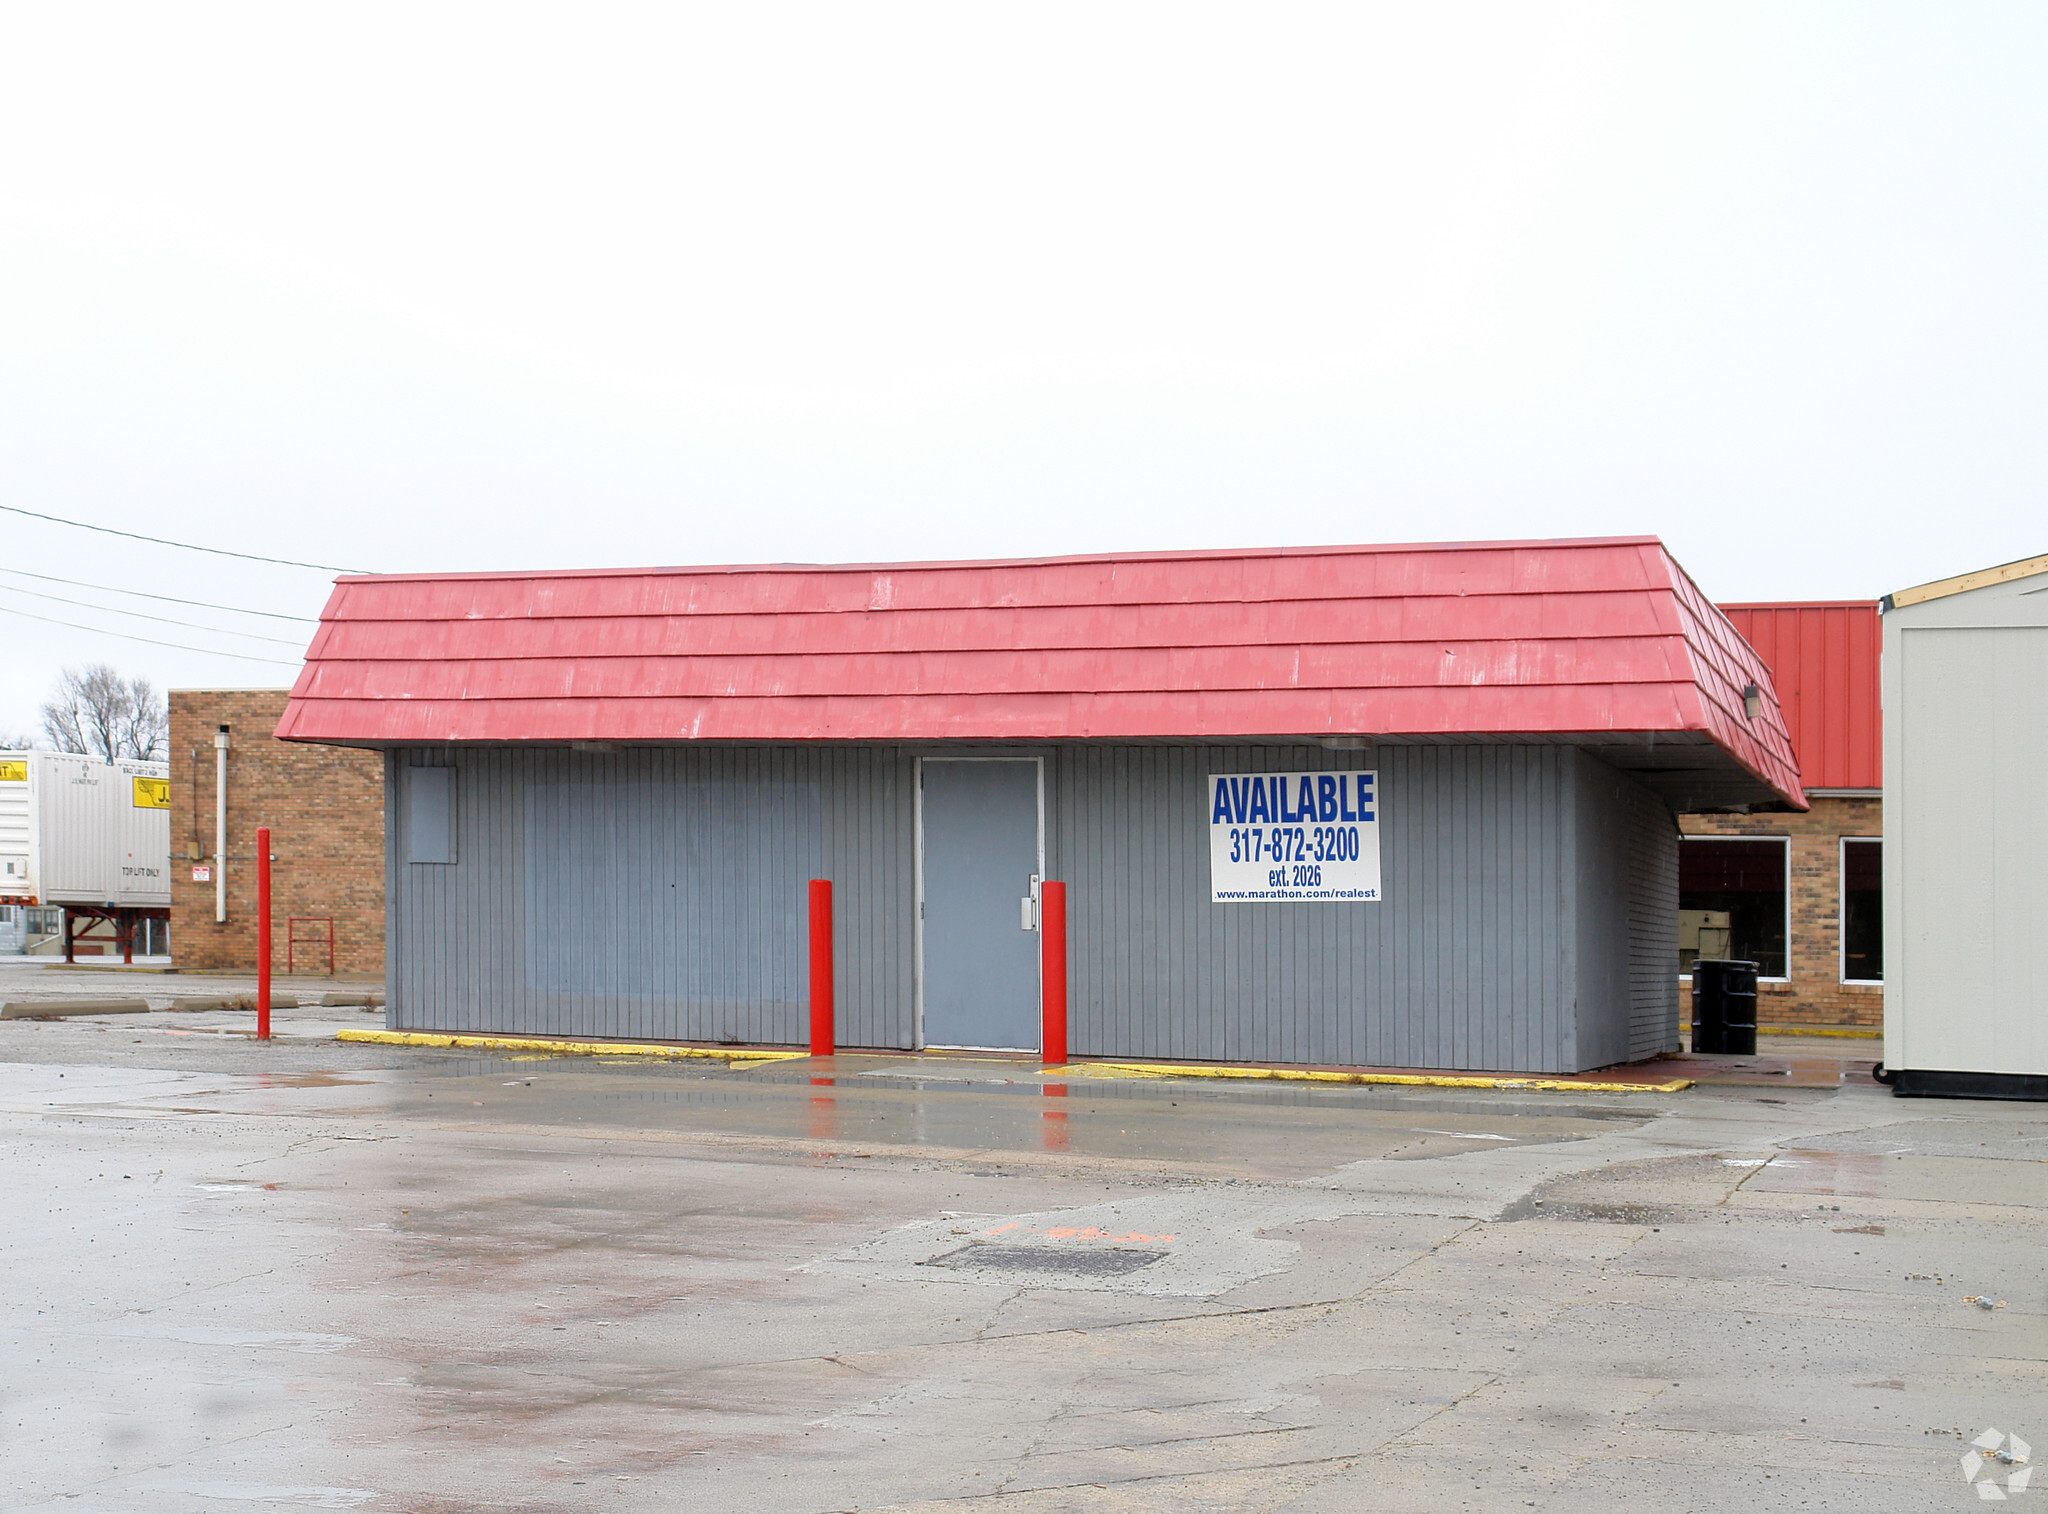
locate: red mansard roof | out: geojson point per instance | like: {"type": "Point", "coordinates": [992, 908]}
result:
{"type": "Point", "coordinates": [1601, 643]}
{"type": "Point", "coordinates": [1823, 656]}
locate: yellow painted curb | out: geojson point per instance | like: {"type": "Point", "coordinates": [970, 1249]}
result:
{"type": "Point", "coordinates": [1398, 1079]}
{"type": "Point", "coordinates": [565, 1048]}
{"type": "Point", "coordinates": [1847, 1032]}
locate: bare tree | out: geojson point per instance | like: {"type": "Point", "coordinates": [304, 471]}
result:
{"type": "Point", "coordinates": [99, 713]}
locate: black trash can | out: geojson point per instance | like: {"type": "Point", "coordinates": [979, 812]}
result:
{"type": "Point", "coordinates": [1724, 1008]}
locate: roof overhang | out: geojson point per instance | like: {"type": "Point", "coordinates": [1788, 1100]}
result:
{"type": "Point", "coordinates": [1606, 645]}
{"type": "Point", "coordinates": [1962, 583]}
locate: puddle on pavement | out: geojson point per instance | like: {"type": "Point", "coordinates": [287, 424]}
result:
{"type": "Point", "coordinates": [2019, 1138]}
{"type": "Point", "coordinates": [1802, 1067]}
{"type": "Point", "coordinates": [1904, 1176]}
{"type": "Point", "coordinates": [309, 1079]}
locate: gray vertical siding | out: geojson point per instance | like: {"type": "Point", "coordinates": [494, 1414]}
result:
{"type": "Point", "coordinates": [654, 892]}
{"type": "Point", "coordinates": [1652, 926]}
{"type": "Point", "coordinates": [1458, 967]}
{"type": "Point", "coordinates": [396, 946]}
{"type": "Point", "coordinates": [1596, 870]}
{"type": "Point", "coordinates": [659, 893]}
{"type": "Point", "coordinates": [870, 797]}
{"type": "Point", "coordinates": [1626, 879]}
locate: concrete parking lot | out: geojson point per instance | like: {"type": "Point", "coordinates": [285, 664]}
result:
{"type": "Point", "coordinates": [320, 1275]}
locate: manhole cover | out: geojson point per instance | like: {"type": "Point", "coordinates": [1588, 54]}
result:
{"type": "Point", "coordinates": [1066, 1261]}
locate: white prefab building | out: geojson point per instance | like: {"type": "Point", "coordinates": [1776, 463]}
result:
{"type": "Point", "coordinates": [1966, 832]}
{"type": "Point", "coordinates": [78, 831]}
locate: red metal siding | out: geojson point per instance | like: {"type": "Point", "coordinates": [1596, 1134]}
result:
{"type": "Point", "coordinates": [1492, 638]}
{"type": "Point", "coordinates": [1823, 658]}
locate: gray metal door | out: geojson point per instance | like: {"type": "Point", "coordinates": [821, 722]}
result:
{"type": "Point", "coordinates": [980, 980]}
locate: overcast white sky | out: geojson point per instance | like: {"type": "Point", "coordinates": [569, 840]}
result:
{"type": "Point", "coordinates": [441, 287]}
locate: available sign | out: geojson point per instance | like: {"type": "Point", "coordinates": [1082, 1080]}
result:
{"type": "Point", "coordinates": [1294, 837]}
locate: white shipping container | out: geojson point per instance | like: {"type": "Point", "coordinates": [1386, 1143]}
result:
{"type": "Point", "coordinates": [14, 826]}
{"type": "Point", "coordinates": [75, 830]}
{"type": "Point", "coordinates": [71, 840]}
{"type": "Point", "coordinates": [142, 874]}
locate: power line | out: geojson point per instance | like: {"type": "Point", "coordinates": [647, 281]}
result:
{"type": "Point", "coordinates": [169, 599]}
{"type": "Point", "coordinates": [190, 625]}
{"type": "Point", "coordinates": [282, 562]}
{"type": "Point", "coordinates": [149, 640]}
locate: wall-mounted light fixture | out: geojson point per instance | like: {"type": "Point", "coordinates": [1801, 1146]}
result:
{"type": "Point", "coordinates": [1752, 700]}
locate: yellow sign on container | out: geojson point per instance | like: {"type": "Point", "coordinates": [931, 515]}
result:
{"type": "Point", "coordinates": [152, 793]}
{"type": "Point", "coordinates": [17, 772]}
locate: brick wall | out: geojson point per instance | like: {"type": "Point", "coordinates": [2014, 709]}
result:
{"type": "Point", "coordinates": [1816, 994]}
{"type": "Point", "coordinates": [325, 808]}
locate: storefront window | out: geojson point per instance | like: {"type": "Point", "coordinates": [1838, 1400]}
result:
{"type": "Point", "coordinates": [1743, 878]}
{"type": "Point", "coordinates": [1862, 910]}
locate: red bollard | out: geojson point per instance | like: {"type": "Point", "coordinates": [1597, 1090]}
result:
{"type": "Point", "coordinates": [1052, 972]}
{"type": "Point", "coordinates": [821, 968]}
{"type": "Point", "coordinates": [263, 933]}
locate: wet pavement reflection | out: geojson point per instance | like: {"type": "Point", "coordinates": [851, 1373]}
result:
{"type": "Point", "coordinates": [1273, 1130]}
{"type": "Point", "coordinates": [897, 1101]}
{"type": "Point", "coordinates": [337, 1275]}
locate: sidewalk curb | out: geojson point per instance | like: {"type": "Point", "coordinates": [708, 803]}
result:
{"type": "Point", "coordinates": [1846, 1032]}
{"type": "Point", "coordinates": [565, 1048]}
{"type": "Point", "coordinates": [57, 1009]}
{"type": "Point", "coordinates": [1397, 1079]}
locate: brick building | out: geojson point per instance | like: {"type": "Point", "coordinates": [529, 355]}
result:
{"type": "Point", "coordinates": [1802, 893]}
{"type": "Point", "coordinates": [325, 809]}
